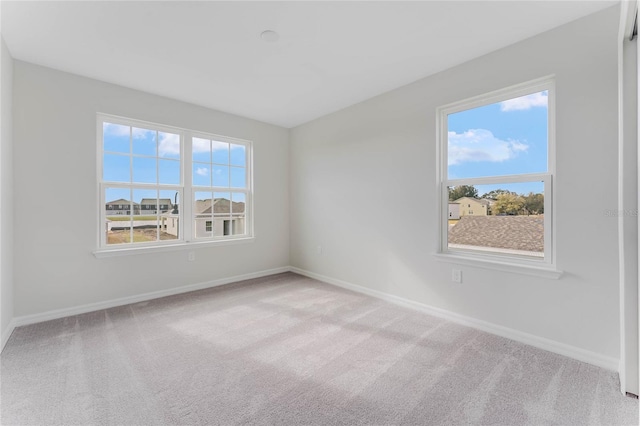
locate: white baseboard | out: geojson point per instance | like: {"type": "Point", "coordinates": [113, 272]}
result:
{"type": "Point", "coordinates": [7, 333]}
{"type": "Point", "coordinates": [579, 354]}
{"type": "Point", "coordinates": [61, 313]}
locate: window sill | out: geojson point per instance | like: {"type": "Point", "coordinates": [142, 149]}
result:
{"type": "Point", "coordinates": [542, 271]}
{"type": "Point", "coordinates": [128, 251]}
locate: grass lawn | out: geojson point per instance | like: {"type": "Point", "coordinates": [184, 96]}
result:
{"type": "Point", "coordinates": [126, 218]}
{"type": "Point", "coordinates": [139, 236]}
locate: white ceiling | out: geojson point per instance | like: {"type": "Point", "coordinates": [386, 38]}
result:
{"type": "Point", "coordinates": [330, 54]}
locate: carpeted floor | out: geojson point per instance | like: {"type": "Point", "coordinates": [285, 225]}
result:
{"type": "Point", "coordinates": [289, 350]}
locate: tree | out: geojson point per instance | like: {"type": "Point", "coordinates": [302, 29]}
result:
{"type": "Point", "coordinates": [534, 203]}
{"type": "Point", "coordinates": [509, 203]}
{"type": "Point", "coordinates": [493, 195]}
{"type": "Point", "coordinates": [462, 191]}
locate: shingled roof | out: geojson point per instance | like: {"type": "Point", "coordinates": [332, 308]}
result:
{"type": "Point", "coordinates": [506, 232]}
{"type": "Point", "coordinates": [222, 205]}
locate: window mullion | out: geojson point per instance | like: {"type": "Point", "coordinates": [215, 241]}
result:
{"type": "Point", "coordinates": [187, 216]}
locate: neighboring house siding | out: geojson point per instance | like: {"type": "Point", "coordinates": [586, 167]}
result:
{"type": "Point", "coordinates": [472, 207]}
{"type": "Point", "coordinates": [454, 211]}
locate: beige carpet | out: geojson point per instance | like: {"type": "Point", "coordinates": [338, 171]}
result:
{"type": "Point", "coordinates": [289, 350]}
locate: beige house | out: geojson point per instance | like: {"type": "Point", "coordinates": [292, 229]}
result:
{"type": "Point", "coordinates": [473, 206]}
{"type": "Point", "coordinates": [220, 218]}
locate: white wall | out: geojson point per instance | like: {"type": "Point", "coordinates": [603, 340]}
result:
{"type": "Point", "coordinates": [6, 193]}
{"type": "Point", "coordinates": [55, 165]}
{"type": "Point", "coordinates": [629, 219]}
{"type": "Point", "coordinates": [363, 187]}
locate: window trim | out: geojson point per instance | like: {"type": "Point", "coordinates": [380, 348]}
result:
{"type": "Point", "coordinates": [512, 263]}
{"type": "Point", "coordinates": [186, 191]}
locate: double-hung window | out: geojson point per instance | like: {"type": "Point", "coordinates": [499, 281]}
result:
{"type": "Point", "coordinates": [496, 175]}
{"type": "Point", "coordinates": [161, 185]}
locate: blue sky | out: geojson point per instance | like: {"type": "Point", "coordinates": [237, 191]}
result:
{"type": "Point", "coordinates": [503, 138]}
{"type": "Point", "coordinates": [156, 159]}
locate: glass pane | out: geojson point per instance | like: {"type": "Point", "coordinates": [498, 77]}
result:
{"type": "Point", "coordinates": [505, 219]}
{"type": "Point", "coordinates": [168, 198]}
{"type": "Point", "coordinates": [145, 170]}
{"type": "Point", "coordinates": [504, 138]}
{"type": "Point", "coordinates": [168, 145]}
{"type": "Point", "coordinates": [115, 138]}
{"type": "Point", "coordinates": [116, 168]}
{"type": "Point", "coordinates": [221, 214]}
{"type": "Point", "coordinates": [169, 172]}
{"type": "Point", "coordinates": [238, 155]}
{"type": "Point", "coordinates": [145, 216]}
{"type": "Point", "coordinates": [203, 214]}
{"type": "Point", "coordinates": [118, 215]}
{"type": "Point", "coordinates": [220, 176]}
{"type": "Point", "coordinates": [201, 174]}
{"type": "Point", "coordinates": [238, 205]}
{"type": "Point", "coordinates": [169, 208]}
{"type": "Point", "coordinates": [220, 152]}
{"type": "Point", "coordinates": [238, 177]}
{"type": "Point", "coordinates": [221, 203]}
{"type": "Point", "coordinates": [201, 150]}
{"type": "Point", "coordinates": [144, 142]}
{"type": "Point", "coordinates": [145, 203]}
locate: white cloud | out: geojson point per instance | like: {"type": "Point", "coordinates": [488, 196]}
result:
{"type": "Point", "coordinates": [202, 171]}
{"type": "Point", "coordinates": [200, 145]}
{"type": "Point", "coordinates": [477, 145]}
{"type": "Point", "coordinates": [219, 146]}
{"type": "Point", "coordinates": [169, 145]}
{"type": "Point", "coordinates": [522, 103]}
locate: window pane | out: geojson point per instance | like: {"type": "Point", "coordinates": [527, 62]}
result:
{"type": "Point", "coordinates": [118, 215]}
{"type": "Point", "coordinates": [506, 219]}
{"type": "Point", "coordinates": [221, 204]}
{"type": "Point", "coordinates": [238, 206]}
{"type": "Point", "coordinates": [115, 138]}
{"type": "Point", "coordinates": [145, 170]}
{"type": "Point", "coordinates": [220, 176]}
{"type": "Point", "coordinates": [238, 177]}
{"type": "Point", "coordinates": [238, 155]}
{"type": "Point", "coordinates": [145, 216]}
{"type": "Point", "coordinates": [222, 214]}
{"type": "Point", "coordinates": [169, 221]}
{"type": "Point", "coordinates": [168, 145]}
{"type": "Point", "coordinates": [201, 174]}
{"type": "Point", "coordinates": [169, 172]}
{"type": "Point", "coordinates": [201, 150]}
{"type": "Point", "coordinates": [145, 202]}
{"type": "Point", "coordinates": [220, 152]}
{"type": "Point", "coordinates": [144, 142]}
{"type": "Point", "coordinates": [116, 168]}
{"type": "Point", "coordinates": [504, 138]}
{"type": "Point", "coordinates": [203, 213]}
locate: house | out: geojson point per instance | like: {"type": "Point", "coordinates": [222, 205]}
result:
{"type": "Point", "coordinates": [220, 218]}
{"type": "Point", "coordinates": [121, 207]}
{"type": "Point", "coordinates": [454, 210]}
{"type": "Point", "coordinates": [332, 120]}
{"type": "Point", "coordinates": [473, 206]}
{"type": "Point", "coordinates": [152, 206]}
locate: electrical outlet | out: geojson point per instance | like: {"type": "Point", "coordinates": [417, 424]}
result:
{"type": "Point", "coordinates": [456, 275]}
{"type": "Point", "coordinates": [192, 256]}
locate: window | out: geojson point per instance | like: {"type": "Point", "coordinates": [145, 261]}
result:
{"type": "Point", "coordinates": [498, 149]}
{"type": "Point", "coordinates": [171, 185]}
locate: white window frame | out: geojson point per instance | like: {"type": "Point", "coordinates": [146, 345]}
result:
{"type": "Point", "coordinates": [547, 265]}
{"type": "Point", "coordinates": [185, 189]}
